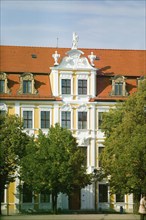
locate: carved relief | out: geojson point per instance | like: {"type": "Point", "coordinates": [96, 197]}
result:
{"type": "Point", "coordinates": [75, 61]}
{"type": "Point", "coordinates": [3, 107]}
{"type": "Point", "coordinates": [66, 107]}
{"type": "Point", "coordinates": [140, 79]}
{"type": "Point", "coordinates": [82, 107]}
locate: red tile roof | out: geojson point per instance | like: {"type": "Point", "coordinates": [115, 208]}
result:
{"type": "Point", "coordinates": [15, 60]}
{"type": "Point", "coordinates": [124, 62]}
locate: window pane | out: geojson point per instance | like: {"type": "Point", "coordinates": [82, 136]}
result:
{"type": "Point", "coordinates": [44, 197]}
{"type": "Point", "coordinates": [103, 193]}
{"type": "Point", "coordinates": [100, 149]}
{"type": "Point", "coordinates": [27, 84]}
{"type": "Point", "coordinates": [2, 86]}
{"type": "Point", "coordinates": [66, 119]}
{"type": "Point", "coordinates": [27, 194]}
{"type": "Point", "coordinates": [82, 87]}
{"type": "Point", "coordinates": [66, 86]}
{"type": "Point", "coordinates": [118, 88]}
{"type": "Point", "coordinates": [27, 119]}
{"type": "Point", "coordinates": [100, 115]}
{"type": "Point", "coordinates": [45, 119]}
{"type": "Point", "coordinates": [82, 120]}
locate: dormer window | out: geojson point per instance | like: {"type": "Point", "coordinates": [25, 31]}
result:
{"type": "Point", "coordinates": [27, 84]}
{"type": "Point", "coordinates": [118, 86]}
{"type": "Point", "coordinates": [3, 83]}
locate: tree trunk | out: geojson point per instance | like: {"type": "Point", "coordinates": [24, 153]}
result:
{"type": "Point", "coordinates": [54, 202]}
{"type": "Point", "coordinates": [136, 202]}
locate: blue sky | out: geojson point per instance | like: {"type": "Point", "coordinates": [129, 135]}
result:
{"type": "Point", "coordinates": [111, 24]}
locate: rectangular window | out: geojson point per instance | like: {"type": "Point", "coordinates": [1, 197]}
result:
{"type": "Point", "coordinates": [2, 86]}
{"type": "Point", "coordinates": [66, 86]}
{"type": "Point", "coordinates": [82, 87]}
{"type": "Point", "coordinates": [44, 197]}
{"type": "Point", "coordinates": [27, 119]}
{"type": "Point", "coordinates": [103, 193]}
{"type": "Point", "coordinates": [27, 194]}
{"type": "Point", "coordinates": [66, 119]}
{"type": "Point", "coordinates": [27, 86]}
{"type": "Point", "coordinates": [100, 119]}
{"type": "Point", "coordinates": [82, 120]}
{"type": "Point", "coordinates": [45, 119]}
{"type": "Point", "coordinates": [119, 88]}
{"type": "Point", "coordinates": [119, 198]}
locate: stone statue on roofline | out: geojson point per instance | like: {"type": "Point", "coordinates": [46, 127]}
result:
{"type": "Point", "coordinates": [75, 41]}
{"type": "Point", "coordinates": [56, 57]}
{"type": "Point", "coordinates": [92, 57]}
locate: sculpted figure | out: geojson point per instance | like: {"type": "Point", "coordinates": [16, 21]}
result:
{"type": "Point", "coordinates": [56, 57]}
{"type": "Point", "coordinates": [75, 41]}
{"type": "Point", "coordinates": [92, 57]}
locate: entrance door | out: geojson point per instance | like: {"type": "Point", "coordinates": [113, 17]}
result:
{"type": "Point", "coordinates": [74, 200]}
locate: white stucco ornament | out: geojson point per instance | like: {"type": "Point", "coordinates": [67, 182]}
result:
{"type": "Point", "coordinates": [92, 57]}
{"type": "Point", "coordinates": [75, 41]}
{"type": "Point", "coordinates": [56, 57]}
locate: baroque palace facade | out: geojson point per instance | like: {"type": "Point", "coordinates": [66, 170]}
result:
{"type": "Point", "coordinates": [73, 87]}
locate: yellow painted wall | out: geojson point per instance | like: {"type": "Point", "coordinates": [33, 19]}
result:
{"type": "Point", "coordinates": [112, 200]}
{"type": "Point", "coordinates": [36, 117]}
{"type": "Point", "coordinates": [11, 110]}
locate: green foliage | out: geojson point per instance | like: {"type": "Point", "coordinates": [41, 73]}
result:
{"type": "Point", "coordinates": [12, 147]}
{"type": "Point", "coordinates": [124, 156]}
{"type": "Point", "coordinates": [54, 163]}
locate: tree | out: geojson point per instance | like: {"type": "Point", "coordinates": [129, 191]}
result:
{"type": "Point", "coordinates": [12, 148]}
{"type": "Point", "coordinates": [124, 156]}
{"type": "Point", "coordinates": [54, 164]}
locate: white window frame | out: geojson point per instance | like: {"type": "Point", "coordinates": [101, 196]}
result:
{"type": "Point", "coordinates": [28, 109]}
{"type": "Point", "coordinates": [82, 76]}
{"type": "Point", "coordinates": [45, 108]}
{"type": "Point", "coordinates": [66, 108]}
{"type": "Point", "coordinates": [66, 75]}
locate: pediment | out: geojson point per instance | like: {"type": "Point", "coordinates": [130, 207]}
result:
{"type": "Point", "coordinates": [74, 60]}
